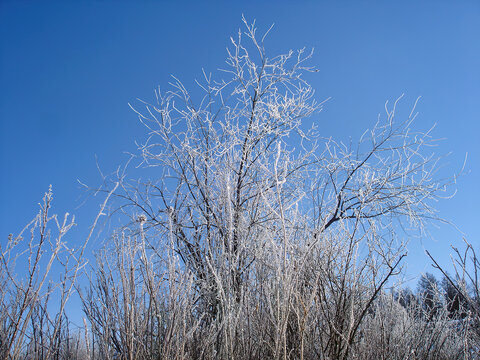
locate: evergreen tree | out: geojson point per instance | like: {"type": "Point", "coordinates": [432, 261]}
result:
{"type": "Point", "coordinates": [428, 293]}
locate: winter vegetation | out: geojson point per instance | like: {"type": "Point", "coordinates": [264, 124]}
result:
{"type": "Point", "coordinates": [248, 236]}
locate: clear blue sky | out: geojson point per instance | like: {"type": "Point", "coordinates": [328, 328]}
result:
{"type": "Point", "coordinates": [69, 68]}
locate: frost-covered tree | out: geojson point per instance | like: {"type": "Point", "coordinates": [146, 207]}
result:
{"type": "Point", "coordinates": [286, 238]}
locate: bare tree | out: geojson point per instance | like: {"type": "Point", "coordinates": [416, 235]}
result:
{"type": "Point", "coordinates": [286, 235]}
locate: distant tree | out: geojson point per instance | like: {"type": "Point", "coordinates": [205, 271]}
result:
{"type": "Point", "coordinates": [466, 283]}
{"type": "Point", "coordinates": [456, 304]}
{"type": "Point", "coordinates": [428, 291]}
{"type": "Point", "coordinates": [466, 280]}
{"type": "Point", "coordinates": [405, 297]}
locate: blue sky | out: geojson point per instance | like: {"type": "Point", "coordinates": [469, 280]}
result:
{"type": "Point", "coordinates": [68, 70]}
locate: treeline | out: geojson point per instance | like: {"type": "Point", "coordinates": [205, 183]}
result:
{"type": "Point", "coordinates": [433, 296]}
{"type": "Point", "coordinates": [247, 235]}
